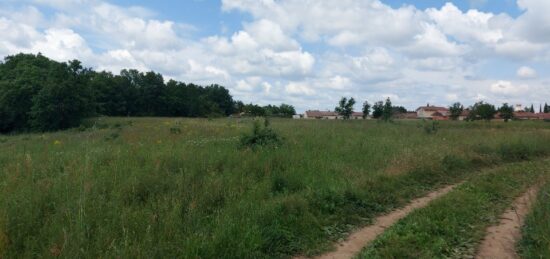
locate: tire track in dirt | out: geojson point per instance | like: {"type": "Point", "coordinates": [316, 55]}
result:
{"type": "Point", "coordinates": [500, 240]}
{"type": "Point", "coordinates": [362, 237]}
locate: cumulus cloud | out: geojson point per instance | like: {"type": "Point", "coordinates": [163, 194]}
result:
{"type": "Point", "coordinates": [507, 88]}
{"type": "Point", "coordinates": [304, 51]}
{"type": "Point", "coordinates": [525, 72]}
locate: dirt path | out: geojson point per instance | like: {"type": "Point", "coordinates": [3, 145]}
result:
{"type": "Point", "coordinates": [359, 239]}
{"type": "Point", "coordinates": [500, 241]}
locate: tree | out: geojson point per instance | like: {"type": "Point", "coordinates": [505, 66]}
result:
{"type": "Point", "coordinates": [532, 110]}
{"type": "Point", "coordinates": [455, 110]}
{"type": "Point", "coordinates": [286, 110]}
{"type": "Point", "coordinates": [37, 93]}
{"type": "Point", "coordinates": [506, 112]}
{"type": "Point", "coordinates": [377, 109]}
{"type": "Point", "coordinates": [398, 109]}
{"type": "Point", "coordinates": [482, 111]}
{"type": "Point", "coordinates": [546, 108]}
{"type": "Point", "coordinates": [366, 109]}
{"type": "Point", "coordinates": [387, 111]}
{"type": "Point", "coordinates": [345, 107]}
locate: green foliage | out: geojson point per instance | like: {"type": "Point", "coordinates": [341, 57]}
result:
{"type": "Point", "coordinates": [378, 109]}
{"type": "Point", "coordinates": [482, 111]}
{"type": "Point", "coordinates": [43, 95]}
{"type": "Point", "coordinates": [452, 226]}
{"type": "Point", "coordinates": [345, 107]}
{"type": "Point", "coordinates": [366, 109]}
{"type": "Point", "coordinates": [535, 242]}
{"type": "Point", "coordinates": [430, 127]}
{"type": "Point", "coordinates": [546, 108]}
{"type": "Point", "coordinates": [387, 112]}
{"type": "Point", "coordinates": [455, 110]}
{"type": "Point", "coordinates": [261, 136]}
{"type": "Point", "coordinates": [152, 194]}
{"type": "Point", "coordinates": [506, 112]}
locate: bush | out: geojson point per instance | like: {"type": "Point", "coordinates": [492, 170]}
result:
{"type": "Point", "coordinates": [261, 136]}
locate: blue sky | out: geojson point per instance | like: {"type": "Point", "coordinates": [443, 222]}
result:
{"type": "Point", "coordinates": [308, 53]}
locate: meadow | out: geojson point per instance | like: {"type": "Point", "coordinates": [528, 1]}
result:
{"type": "Point", "coordinates": [172, 187]}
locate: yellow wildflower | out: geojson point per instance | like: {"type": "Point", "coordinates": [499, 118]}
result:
{"type": "Point", "coordinates": [57, 142]}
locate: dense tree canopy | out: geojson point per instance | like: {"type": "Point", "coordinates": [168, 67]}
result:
{"type": "Point", "coordinates": [506, 112]}
{"type": "Point", "coordinates": [40, 94]}
{"type": "Point", "coordinates": [482, 111]}
{"type": "Point", "coordinates": [455, 110]}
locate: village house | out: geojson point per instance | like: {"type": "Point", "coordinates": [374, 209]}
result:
{"type": "Point", "coordinates": [526, 116]}
{"type": "Point", "coordinates": [432, 112]}
{"type": "Point", "coordinates": [406, 116]}
{"type": "Point", "coordinates": [327, 115]}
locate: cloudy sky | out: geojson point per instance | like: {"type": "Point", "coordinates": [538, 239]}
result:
{"type": "Point", "coordinates": [308, 53]}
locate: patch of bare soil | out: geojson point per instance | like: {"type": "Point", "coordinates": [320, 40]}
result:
{"type": "Point", "coordinates": [500, 241]}
{"type": "Point", "coordinates": [359, 239]}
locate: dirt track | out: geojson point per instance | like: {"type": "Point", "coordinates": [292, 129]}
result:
{"type": "Point", "coordinates": [362, 237]}
{"type": "Point", "coordinates": [500, 241]}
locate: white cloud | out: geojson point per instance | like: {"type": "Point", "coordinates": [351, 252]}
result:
{"type": "Point", "coordinates": [304, 51]}
{"type": "Point", "coordinates": [525, 72]}
{"type": "Point", "coordinates": [507, 88]}
{"type": "Point", "coordinates": [298, 88]}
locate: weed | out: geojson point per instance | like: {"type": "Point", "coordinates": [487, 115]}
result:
{"type": "Point", "coordinates": [261, 136]}
{"type": "Point", "coordinates": [175, 130]}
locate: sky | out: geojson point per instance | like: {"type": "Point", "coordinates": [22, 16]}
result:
{"type": "Point", "coordinates": [307, 53]}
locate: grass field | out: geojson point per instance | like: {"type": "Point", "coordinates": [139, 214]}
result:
{"type": "Point", "coordinates": [161, 187]}
{"type": "Point", "coordinates": [536, 232]}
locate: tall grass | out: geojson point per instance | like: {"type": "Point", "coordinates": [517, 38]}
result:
{"type": "Point", "coordinates": [122, 187]}
{"type": "Point", "coordinates": [536, 232]}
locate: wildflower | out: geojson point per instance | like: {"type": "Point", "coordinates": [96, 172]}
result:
{"type": "Point", "coordinates": [57, 142]}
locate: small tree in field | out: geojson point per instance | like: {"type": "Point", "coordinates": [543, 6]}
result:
{"type": "Point", "coordinates": [506, 112]}
{"type": "Point", "coordinates": [387, 112]}
{"type": "Point", "coordinates": [366, 109]}
{"type": "Point", "coordinates": [377, 109]}
{"type": "Point", "coordinates": [455, 110]}
{"type": "Point", "coordinates": [345, 107]}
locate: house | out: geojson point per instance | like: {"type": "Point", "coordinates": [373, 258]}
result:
{"type": "Point", "coordinates": [356, 116]}
{"type": "Point", "coordinates": [297, 116]}
{"type": "Point", "coordinates": [428, 112]}
{"type": "Point", "coordinates": [464, 115]}
{"type": "Point", "coordinates": [327, 115]}
{"type": "Point", "coordinates": [544, 116]}
{"type": "Point", "coordinates": [526, 116]}
{"type": "Point", "coordinates": [438, 116]}
{"type": "Point", "coordinates": [406, 116]}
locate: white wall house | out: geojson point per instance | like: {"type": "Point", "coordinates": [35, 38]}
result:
{"type": "Point", "coordinates": [428, 112]}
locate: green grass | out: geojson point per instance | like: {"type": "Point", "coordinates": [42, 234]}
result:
{"type": "Point", "coordinates": [453, 225]}
{"type": "Point", "coordinates": [161, 187]}
{"type": "Point", "coordinates": [536, 232]}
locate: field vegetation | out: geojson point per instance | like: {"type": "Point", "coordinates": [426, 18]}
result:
{"type": "Point", "coordinates": [169, 187]}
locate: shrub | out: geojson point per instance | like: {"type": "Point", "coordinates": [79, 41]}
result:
{"type": "Point", "coordinates": [431, 128]}
{"type": "Point", "coordinates": [175, 130]}
{"type": "Point", "coordinates": [261, 136]}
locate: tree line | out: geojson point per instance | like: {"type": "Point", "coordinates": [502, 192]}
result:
{"type": "Point", "coordinates": [384, 110]}
{"type": "Point", "coordinates": [40, 94]}
{"type": "Point", "coordinates": [380, 110]}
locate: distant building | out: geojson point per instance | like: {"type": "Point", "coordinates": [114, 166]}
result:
{"type": "Point", "coordinates": [406, 116]}
{"type": "Point", "coordinates": [526, 116]}
{"type": "Point", "coordinates": [464, 115]}
{"type": "Point", "coordinates": [327, 115]}
{"type": "Point", "coordinates": [429, 112]}
{"type": "Point", "coordinates": [356, 116]}
{"type": "Point", "coordinates": [518, 108]}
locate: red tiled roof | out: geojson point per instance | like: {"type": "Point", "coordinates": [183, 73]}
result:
{"type": "Point", "coordinates": [320, 113]}
{"type": "Point", "coordinates": [525, 115]}
{"type": "Point", "coordinates": [407, 115]}
{"type": "Point", "coordinates": [358, 114]}
{"type": "Point", "coordinates": [544, 116]}
{"type": "Point", "coordinates": [432, 108]}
